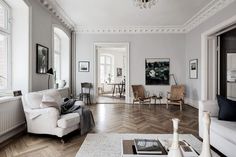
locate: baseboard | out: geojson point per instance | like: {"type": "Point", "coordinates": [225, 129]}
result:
{"type": "Point", "coordinates": [191, 102]}
{"type": "Point", "coordinates": [12, 133]}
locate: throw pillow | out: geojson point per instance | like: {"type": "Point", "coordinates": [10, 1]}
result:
{"type": "Point", "coordinates": [33, 100]}
{"type": "Point", "coordinates": [49, 101]}
{"type": "Point", "coordinates": [227, 109]}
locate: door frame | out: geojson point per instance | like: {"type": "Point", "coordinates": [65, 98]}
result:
{"type": "Point", "coordinates": [95, 74]}
{"type": "Point", "coordinates": [204, 53]}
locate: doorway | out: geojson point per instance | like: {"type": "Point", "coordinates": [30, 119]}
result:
{"type": "Point", "coordinates": [111, 72]}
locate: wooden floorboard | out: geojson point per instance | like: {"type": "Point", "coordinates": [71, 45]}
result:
{"type": "Point", "coordinates": [109, 118]}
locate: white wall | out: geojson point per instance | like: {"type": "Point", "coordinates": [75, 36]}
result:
{"type": "Point", "coordinates": [193, 50]}
{"type": "Point", "coordinates": [42, 33]}
{"type": "Point", "coordinates": [141, 46]}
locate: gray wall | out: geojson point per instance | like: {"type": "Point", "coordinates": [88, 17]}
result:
{"type": "Point", "coordinates": [141, 46]}
{"type": "Point", "coordinates": [193, 49]}
{"type": "Point", "coordinates": [42, 28]}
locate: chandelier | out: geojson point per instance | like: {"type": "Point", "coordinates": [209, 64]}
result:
{"type": "Point", "coordinates": [145, 3]}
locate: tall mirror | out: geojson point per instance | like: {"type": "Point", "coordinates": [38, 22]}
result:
{"type": "Point", "coordinates": [231, 76]}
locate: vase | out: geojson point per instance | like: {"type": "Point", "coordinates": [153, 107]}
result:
{"type": "Point", "coordinates": [206, 150]}
{"type": "Point", "coordinates": [174, 150]}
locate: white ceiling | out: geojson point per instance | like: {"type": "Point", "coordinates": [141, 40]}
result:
{"type": "Point", "coordinates": [102, 13]}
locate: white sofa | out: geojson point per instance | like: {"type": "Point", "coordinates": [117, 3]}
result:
{"type": "Point", "coordinates": [48, 120]}
{"type": "Point", "coordinates": [222, 133]}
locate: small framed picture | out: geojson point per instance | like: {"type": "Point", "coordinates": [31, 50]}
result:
{"type": "Point", "coordinates": [41, 59]}
{"type": "Point", "coordinates": [118, 72]}
{"type": "Point", "coordinates": [193, 69]}
{"type": "Point", "coordinates": [17, 93]}
{"type": "Point", "coordinates": [83, 66]}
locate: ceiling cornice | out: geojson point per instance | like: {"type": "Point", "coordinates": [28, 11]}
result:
{"type": "Point", "coordinates": [54, 8]}
{"type": "Point", "coordinates": [205, 13]}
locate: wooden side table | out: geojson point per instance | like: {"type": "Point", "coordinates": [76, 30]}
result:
{"type": "Point", "coordinates": [157, 98]}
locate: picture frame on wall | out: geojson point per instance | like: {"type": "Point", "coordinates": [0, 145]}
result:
{"type": "Point", "coordinates": [157, 71]}
{"type": "Point", "coordinates": [193, 69]}
{"type": "Point", "coordinates": [118, 72]}
{"type": "Point", "coordinates": [42, 57]}
{"type": "Point", "coordinates": [84, 66]}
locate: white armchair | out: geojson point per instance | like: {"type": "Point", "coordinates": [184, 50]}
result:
{"type": "Point", "coordinates": [48, 120]}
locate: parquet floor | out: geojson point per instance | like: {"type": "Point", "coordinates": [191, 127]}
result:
{"type": "Point", "coordinates": [109, 118]}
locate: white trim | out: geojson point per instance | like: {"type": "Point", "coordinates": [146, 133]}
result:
{"type": "Point", "coordinates": [127, 78]}
{"type": "Point", "coordinates": [205, 13]}
{"type": "Point", "coordinates": [204, 53]}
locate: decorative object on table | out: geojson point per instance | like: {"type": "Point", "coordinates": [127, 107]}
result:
{"type": "Point", "coordinates": [83, 66]}
{"type": "Point", "coordinates": [206, 150]}
{"type": "Point", "coordinates": [85, 92]}
{"type": "Point", "coordinates": [61, 83]}
{"type": "Point", "coordinates": [157, 71]}
{"type": "Point", "coordinates": [118, 72]}
{"type": "Point", "coordinates": [193, 69]}
{"type": "Point", "coordinates": [41, 59]}
{"type": "Point", "coordinates": [148, 146]}
{"type": "Point", "coordinates": [176, 96]}
{"type": "Point", "coordinates": [49, 72]}
{"type": "Point", "coordinates": [144, 4]}
{"type": "Point", "coordinates": [109, 78]}
{"type": "Point", "coordinates": [175, 150]}
{"type": "Point", "coordinates": [140, 95]}
{"type": "Point", "coordinates": [173, 76]}
{"type": "Point", "coordinates": [17, 93]}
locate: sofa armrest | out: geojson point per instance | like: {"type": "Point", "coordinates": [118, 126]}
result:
{"type": "Point", "coordinates": [35, 113]}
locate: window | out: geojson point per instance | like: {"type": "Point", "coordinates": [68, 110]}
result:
{"type": "Point", "coordinates": [57, 56]}
{"type": "Point", "coordinates": [5, 54]}
{"type": "Point", "coordinates": [106, 69]}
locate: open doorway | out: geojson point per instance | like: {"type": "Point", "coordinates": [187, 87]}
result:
{"type": "Point", "coordinates": [111, 72]}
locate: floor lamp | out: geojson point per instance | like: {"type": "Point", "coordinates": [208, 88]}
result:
{"type": "Point", "coordinates": [172, 75]}
{"type": "Point", "coordinates": [49, 72]}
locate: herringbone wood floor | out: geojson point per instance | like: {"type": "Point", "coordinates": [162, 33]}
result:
{"type": "Point", "coordinates": [118, 118]}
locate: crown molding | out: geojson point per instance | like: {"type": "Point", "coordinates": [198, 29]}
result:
{"type": "Point", "coordinates": [130, 29]}
{"type": "Point", "coordinates": [54, 8]}
{"type": "Point", "coordinates": [205, 13]}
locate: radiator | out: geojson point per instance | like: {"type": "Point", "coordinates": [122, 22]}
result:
{"type": "Point", "coordinates": [11, 114]}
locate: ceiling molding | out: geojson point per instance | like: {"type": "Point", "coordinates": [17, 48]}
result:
{"type": "Point", "coordinates": [130, 29]}
{"type": "Point", "coordinates": [205, 13]}
{"type": "Point", "coordinates": [54, 8]}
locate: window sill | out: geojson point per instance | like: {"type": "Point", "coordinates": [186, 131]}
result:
{"type": "Point", "coordinates": [8, 99]}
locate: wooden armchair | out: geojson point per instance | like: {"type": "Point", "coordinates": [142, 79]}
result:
{"type": "Point", "coordinates": [176, 96]}
{"type": "Point", "coordinates": [140, 95]}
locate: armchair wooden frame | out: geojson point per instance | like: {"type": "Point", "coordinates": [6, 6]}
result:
{"type": "Point", "coordinates": [176, 96]}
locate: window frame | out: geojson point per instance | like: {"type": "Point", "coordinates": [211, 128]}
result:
{"type": "Point", "coordinates": [58, 53]}
{"type": "Point", "coordinates": [105, 64]}
{"type": "Point", "coordinates": [8, 33]}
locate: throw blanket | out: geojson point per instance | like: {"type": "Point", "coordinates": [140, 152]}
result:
{"type": "Point", "coordinates": [86, 117]}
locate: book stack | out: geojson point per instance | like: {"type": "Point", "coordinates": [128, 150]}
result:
{"type": "Point", "coordinates": [148, 147]}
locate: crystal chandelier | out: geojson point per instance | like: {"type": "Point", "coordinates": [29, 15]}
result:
{"type": "Point", "coordinates": [145, 3]}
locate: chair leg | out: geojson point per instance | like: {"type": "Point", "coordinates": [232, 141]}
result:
{"type": "Point", "coordinates": [90, 101]}
{"type": "Point", "coordinates": [167, 105]}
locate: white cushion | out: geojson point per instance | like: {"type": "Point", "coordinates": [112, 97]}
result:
{"type": "Point", "coordinates": [68, 120]}
{"type": "Point", "coordinates": [55, 95]}
{"type": "Point", "coordinates": [48, 101]}
{"type": "Point", "coordinates": [33, 100]}
{"type": "Point", "coordinates": [225, 129]}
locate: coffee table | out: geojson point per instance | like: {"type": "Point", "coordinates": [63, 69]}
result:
{"type": "Point", "coordinates": [109, 145]}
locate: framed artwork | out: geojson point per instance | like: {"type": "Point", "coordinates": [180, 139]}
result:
{"type": "Point", "coordinates": [157, 71]}
{"type": "Point", "coordinates": [83, 66]}
{"type": "Point", "coordinates": [118, 72]}
{"type": "Point", "coordinates": [193, 69]}
{"type": "Point", "coordinates": [41, 59]}
{"type": "Point", "coordinates": [17, 93]}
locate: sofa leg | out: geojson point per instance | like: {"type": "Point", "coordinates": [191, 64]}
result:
{"type": "Point", "coordinates": [63, 141]}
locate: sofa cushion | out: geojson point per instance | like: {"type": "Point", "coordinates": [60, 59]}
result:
{"type": "Point", "coordinates": [227, 109]}
{"type": "Point", "coordinates": [48, 101]}
{"type": "Point", "coordinates": [33, 100]}
{"type": "Point", "coordinates": [55, 95]}
{"type": "Point", "coordinates": [225, 129]}
{"type": "Point", "coordinates": [68, 120]}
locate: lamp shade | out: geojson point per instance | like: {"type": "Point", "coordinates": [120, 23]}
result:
{"type": "Point", "coordinates": [50, 71]}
